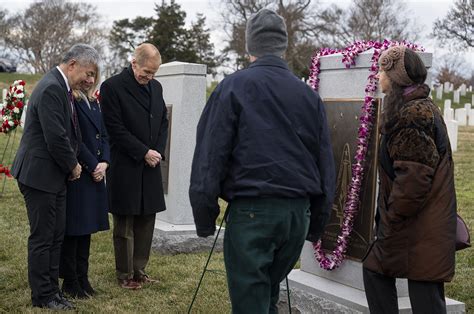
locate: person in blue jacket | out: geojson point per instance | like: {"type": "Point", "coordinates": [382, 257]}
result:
{"type": "Point", "coordinates": [87, 205]}
{"type": "Point", "coordinates": [262, 145]}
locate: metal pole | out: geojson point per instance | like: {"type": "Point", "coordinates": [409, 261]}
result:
{"type": "Point", "coordinates": [207, 263]}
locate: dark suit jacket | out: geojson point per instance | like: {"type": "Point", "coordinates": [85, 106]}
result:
{"type": "Point", "coordinates": [86, 199]}
{"type": "Point", "coordinates": [135, 117]}
{"type": "Point", "coordinates": [48, 147]}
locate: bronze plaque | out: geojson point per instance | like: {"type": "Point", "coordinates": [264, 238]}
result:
{"type": "Point", "coordinates": [165, 164]}
{"type": "Point", "coordinates": [343, 121]}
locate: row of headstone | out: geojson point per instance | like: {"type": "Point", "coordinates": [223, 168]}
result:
{"type": "Point", "coordinates": [449, 87]}
{"type": "Point", "coordinates": [455, 118]}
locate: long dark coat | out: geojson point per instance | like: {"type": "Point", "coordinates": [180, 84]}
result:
{"type": "Point", "coordinates": [86, 210]}
{"type": "Point", "coordinates": [417, 200]}
{"type": "Point", "coordinates": [135, 117]}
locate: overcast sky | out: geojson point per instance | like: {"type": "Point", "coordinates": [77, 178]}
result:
{"type": "Point", "coordinates": [424, 11]}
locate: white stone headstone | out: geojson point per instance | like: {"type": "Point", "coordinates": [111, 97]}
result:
{"type": "Point", "coordinates": [460, 116]}
{"type": "Point", "coordinates": [470, 120]}
{"type": "Point", "coordinates": [446, 86]}
{"type": "Point", "coordinates": [4, 94]}
{"type": "Point", "coordinates": [451, 87]}
{"type": "Point", "coordinates": [447, 103]}
{"type": "Point", "coordinates": [456, 96]}
{"type": "Point", "coordinates": [453, 127]}
{"type": "Point", "coordinates": [468, 113]}
{"type": "Point", "coordinates": [448, 114]}
{"type": "Point", "coordinates": [184, 88]}
{"type": "Point", "coordinates": [472, 99]}
{"type": "Point", "coordinates": [208, 80]}
{"type": "Point", "coordinates": [462, 89]}
{"type": "Point", "coordinates": [439, 92]}
{"type": "Point", "coordinates": [470, 88]}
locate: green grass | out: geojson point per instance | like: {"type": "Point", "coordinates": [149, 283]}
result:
{"type": "Point", "coordinates": [8, 78]}
{"type": "Point", "coordinates": [462, 287]}
{"type": "Point", "coordinates": [462, 99]}
{"type": "Point", "coordinates": [179, 274]}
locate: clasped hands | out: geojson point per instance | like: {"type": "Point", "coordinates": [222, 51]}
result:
{"type": "Point", "coordinates": [152, 158]}
{"type": "Point", "coordinates": [75, 173]}
{"type": "Point", "coordinates": [97, 175]}
{"type": "Point", "coordinates": [99, 172]}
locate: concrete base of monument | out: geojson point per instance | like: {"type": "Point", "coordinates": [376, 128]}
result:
{"type": "Point", "coordinates": [314, 294]}
{"type": "Point", "coordinates": [175, 239]}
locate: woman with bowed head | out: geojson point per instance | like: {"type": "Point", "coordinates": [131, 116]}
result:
{"type": "Point", "coordinates": [87, 208]}
{"type": "Point", "coordinates": [416, 210]}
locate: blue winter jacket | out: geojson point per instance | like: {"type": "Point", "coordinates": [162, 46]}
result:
{"type": "Point", "coordinates": [263, 133]}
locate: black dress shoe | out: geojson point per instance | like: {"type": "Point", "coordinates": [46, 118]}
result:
{"type": "Point", "coordinates": [56, 304]}
{"type": "Point", "coordinates": [64, 301]}
{"type": "Point", "coordinates": [74, 290]}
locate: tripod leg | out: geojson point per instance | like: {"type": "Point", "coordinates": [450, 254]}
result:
{"type": "Point", "coordinates": [207, 263]}
{"type": "Point", "coordinates": [288, 293]}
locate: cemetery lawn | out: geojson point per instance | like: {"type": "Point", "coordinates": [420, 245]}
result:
{"type": "Point", "coordinates": [467, 99]}
{"type": "Point", "coordinates": [8, 78]}
{"type": "Point", "coordinates": [179, 274]}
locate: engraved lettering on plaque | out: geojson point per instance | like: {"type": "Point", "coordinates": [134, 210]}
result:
{"type": "Point", "coordinates": [343, 122]}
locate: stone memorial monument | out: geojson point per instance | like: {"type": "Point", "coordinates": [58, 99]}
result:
{"type": "Point", "coordinates": [184, 92]}
{"type": "Point", "coordinates": [316, 290]}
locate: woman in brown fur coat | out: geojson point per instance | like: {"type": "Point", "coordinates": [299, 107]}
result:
{"type": "Point", "coordinates": [416, 212]}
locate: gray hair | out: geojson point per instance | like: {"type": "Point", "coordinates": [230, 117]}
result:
{"type": "Point", "coordinates": [83, 54]}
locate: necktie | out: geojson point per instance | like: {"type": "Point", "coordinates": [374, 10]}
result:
{"type": "Point", "coordinates": [75, 121]}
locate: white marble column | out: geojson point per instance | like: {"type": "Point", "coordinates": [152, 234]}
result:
{"type": "Point", "coordinates": [184, 89]}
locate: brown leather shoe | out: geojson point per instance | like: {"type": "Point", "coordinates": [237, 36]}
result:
{"type": "Point", "coordinates": [145, 279]}
{"type": "Point", "coordinates": [129, 284]}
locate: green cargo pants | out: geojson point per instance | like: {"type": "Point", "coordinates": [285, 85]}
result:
{"type": "Point", "coordinates": [263, 241]}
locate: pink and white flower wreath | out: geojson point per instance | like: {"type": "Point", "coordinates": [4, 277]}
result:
{"type": "Point", "coordinates": [351, 207]}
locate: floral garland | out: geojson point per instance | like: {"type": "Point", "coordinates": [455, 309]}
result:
{"type": "Point", "coordinates": [13, 107]}
{"type": "Point", "coordinates": [351, 207]}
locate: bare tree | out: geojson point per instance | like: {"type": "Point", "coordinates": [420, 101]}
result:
{"type": "Point", "coordinates": [369, 20]}
{"type": "Point", "coordinates": [300, 21]}
{"type": "Point", "coordinates": [3, 32]}
{"type": "Point", "coordinates": [310, 26]}
{"type": "Point", "coordinates": [452, 68]}
{"type": "Point", "coordinates": [457, 27]}
{"type": "Point", "coordinates": [46, 29]}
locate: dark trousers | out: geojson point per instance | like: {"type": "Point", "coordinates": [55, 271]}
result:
{"type": "Point", "coordinates": [132, 244]}
{"type": "Point", "coordinates": [74, 264]}
{"type": "Point", "coordinates": [263, 241]}
{"type": "Point", "coordinates": [425, 297]}
{"type": "Point", "coordinates": [47, 219]}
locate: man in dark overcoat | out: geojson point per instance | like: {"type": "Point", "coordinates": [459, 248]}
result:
{"type": "Point", "coordinates": [135, 117]}
{"type": "Point", "coordinates": [262, 145]}
{"type": "Point", "coordinates": [44, 162]}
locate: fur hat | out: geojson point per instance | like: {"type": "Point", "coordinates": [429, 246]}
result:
{"type": "Point", "coordinates": [266, 34]}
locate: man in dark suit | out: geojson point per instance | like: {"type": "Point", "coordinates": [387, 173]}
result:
{"type": "Point", "coordinates": [135, 117]}
{"type": "Point", "coordinates": [45, 160]}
